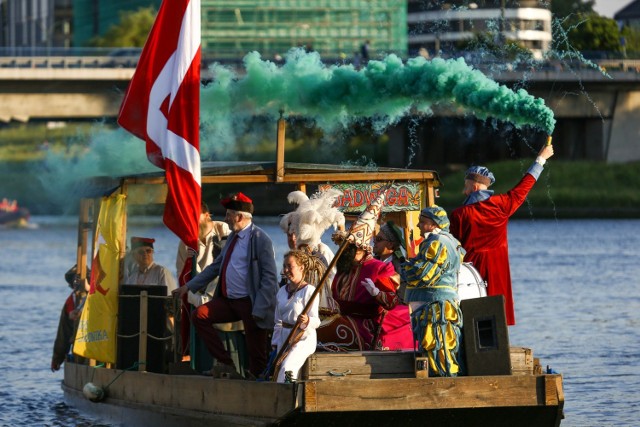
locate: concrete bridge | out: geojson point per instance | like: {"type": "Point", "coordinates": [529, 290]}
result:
{"type": "Point", "coordinates": [599, 112]}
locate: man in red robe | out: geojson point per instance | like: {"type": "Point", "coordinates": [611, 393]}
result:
{"type": "Point", "coordinates": [481, 225]}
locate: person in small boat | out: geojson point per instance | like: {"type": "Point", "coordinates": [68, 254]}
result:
{"type": "Point", "coordinates": [292, 298]}
{"type": "Point", "coordinates": [387, 247]}
{"type": "Point", "coordinates": [246, 291]}
{"type": "Point", "coordinates": [212, 235]}
{"type": "Point", "coordinates": [304, 228]}
{"type": "Point", "coordinates": [69, 317]}
{"type": "Point", "coordinates": [432, 279]}
{"type": "Point", "coordinates": [371, 315]}
{"type": "Point", "coordinates": [481, 225]}
{"type": "Point", "coordinates": [147, 272]}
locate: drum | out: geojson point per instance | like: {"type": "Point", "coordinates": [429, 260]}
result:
{"type": "Point", "coordinates": [470, 284]}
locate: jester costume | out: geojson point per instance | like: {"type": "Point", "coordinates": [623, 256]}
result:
{"type": "Point", "coordinates": [431, 292]}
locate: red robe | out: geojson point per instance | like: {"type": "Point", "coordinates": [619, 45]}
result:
{"type": "Point", "coordinates": [366, 322]}
{"type": "Point", "coordinates": [481, 227]}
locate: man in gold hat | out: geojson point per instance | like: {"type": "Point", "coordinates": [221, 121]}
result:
{"type": "Point", "coordinates": [371, 315]}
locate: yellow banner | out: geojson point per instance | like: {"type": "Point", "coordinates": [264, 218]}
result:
{"type": "Point", "coordinates": [96, 337]}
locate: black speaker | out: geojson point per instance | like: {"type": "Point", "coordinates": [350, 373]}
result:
{"type": "Point", "coordinates": [486, 338]}
{"type": "Point", "coordinates": [129, 327]}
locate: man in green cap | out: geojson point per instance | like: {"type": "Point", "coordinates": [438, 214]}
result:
{"type": "Point", "coordinates": [432, 278]}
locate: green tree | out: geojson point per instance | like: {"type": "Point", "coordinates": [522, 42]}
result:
{"type": "Point", "coordinates": [131, 31]}
{"type": "Point", "coordinates": [563, 8]}
{"type": "Point", "coordinates": [632, 41]}
{"type": "Point", "coordinates": [592, 32]}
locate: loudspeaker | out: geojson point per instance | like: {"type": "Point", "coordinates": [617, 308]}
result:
{"type": "Point", "coordinates": [485, 335]}
{"type": "Point", "coordinates": [129, 327]}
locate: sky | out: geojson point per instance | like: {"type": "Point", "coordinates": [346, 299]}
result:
{"type": "Point", "coordinates": [609, 7]}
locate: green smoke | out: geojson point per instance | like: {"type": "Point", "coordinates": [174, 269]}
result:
{"type": "Point", "coordinates": [384, 91]}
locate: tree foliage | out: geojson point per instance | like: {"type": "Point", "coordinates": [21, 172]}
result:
{"type": "Point", "coordinates": [592, 32]}
{"type": "Point", "coordinates": [563, 8]}
{"type": "Point", "coordinates": [132, 30]}
{"type": "Point", "coordinates": [578, 26]}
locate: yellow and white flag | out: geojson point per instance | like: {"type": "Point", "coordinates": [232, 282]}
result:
{"type": "Point", "coordinates": [96, 337]}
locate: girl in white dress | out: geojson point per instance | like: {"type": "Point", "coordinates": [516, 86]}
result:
{"type": "Point", "coordinates": [291, 300]}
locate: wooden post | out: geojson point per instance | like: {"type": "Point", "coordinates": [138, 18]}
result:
{"type": "Point", "coordinates": [142, 340]}
{"type": "Point", "coordinates": [83, 232]}
{"type": "Point", "coordinates": [280, 149]}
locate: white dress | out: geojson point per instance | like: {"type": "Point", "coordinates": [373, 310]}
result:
{"type": "Point", "coordinates": [287, 312]}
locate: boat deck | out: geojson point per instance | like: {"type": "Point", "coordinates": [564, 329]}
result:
{"type": "Point", "coordinates": [523, 399]}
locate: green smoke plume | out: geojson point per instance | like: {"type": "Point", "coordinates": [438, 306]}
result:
{"type": "Point", "coordinates": [384, 91]}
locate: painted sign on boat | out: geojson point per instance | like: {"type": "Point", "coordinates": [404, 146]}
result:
{"type": "Point", "coordinates": [404, 196]}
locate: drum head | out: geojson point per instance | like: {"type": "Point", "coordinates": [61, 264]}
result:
{"type": "Point", "coordinates": [470, 284]}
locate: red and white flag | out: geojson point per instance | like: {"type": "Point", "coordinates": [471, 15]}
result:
{"type": "Point", "coordinates": [162, 106]}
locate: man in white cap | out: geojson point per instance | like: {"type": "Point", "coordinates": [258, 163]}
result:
{"type": "Point", "coordinates": [481, 225]}
{"type": "Point", "coordinates": [146, 271]}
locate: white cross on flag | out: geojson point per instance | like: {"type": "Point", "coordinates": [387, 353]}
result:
{"type": "Point", "coordinates": [162, 106]}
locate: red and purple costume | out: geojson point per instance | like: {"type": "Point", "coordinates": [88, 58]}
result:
{"type": "Point", "coordinates": [366, 322]}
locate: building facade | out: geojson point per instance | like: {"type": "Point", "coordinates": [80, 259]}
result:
{"type": "Point", "coordinates": [443, 25]}
{"type": "Point", "coordinates": [332, 27]}
{"type": "Point", "coordinates": [25, 25]}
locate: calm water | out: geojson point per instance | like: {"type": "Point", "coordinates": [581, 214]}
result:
{"type": "Point", "coordinates": [577, 293]}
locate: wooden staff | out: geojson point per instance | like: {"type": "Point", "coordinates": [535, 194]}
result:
{"type": "Point", "coordinates": [296, 327]}
{"type": "Point", "coordinates": [282, 353]}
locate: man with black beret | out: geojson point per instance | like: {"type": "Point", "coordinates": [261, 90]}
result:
{"type": "Point", "coordinates": [246, 291]}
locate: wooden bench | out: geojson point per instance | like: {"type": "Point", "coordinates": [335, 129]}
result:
{"type": "Point", "coordinates": [389, 364]}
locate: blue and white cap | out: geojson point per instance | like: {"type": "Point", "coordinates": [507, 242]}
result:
{"type": "Point", "coordinates": [437, 215]}
{"type": "Point", "coordinates": [480, 174]}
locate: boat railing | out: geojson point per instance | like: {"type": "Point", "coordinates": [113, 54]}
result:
{"type": "Point", "coordinates": [143, 333]}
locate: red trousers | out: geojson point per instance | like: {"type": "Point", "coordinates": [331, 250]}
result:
{"type": "Point", "coordinates": [223, 310]}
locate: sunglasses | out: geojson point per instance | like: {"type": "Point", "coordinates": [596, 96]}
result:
{"type": "Point", "coordinates": [144, 251]}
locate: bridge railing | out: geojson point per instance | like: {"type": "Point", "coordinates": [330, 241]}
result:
{"type": "Point", "coordinates": [128, 58]}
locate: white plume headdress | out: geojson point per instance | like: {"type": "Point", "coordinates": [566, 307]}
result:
{"type": "Point", "coordinates": [313, 216]}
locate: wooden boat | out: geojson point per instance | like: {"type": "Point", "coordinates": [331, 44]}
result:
{"type": "Point", "coordinates": [360, 388]}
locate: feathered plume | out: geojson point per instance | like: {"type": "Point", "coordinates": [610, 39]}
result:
{"type": "Point", "coordinates": [313, 216]}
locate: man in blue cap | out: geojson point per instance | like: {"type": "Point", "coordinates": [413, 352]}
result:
{"type": "Point", "coordinates": [481, 225]}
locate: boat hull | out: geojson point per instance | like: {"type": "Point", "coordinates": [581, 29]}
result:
{"type": "Point", "coordinates": [137, 398]}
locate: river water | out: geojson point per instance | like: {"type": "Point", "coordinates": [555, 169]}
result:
{"type": "Point", "coordinates": [576, 286]}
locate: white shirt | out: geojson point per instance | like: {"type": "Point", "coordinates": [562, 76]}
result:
{"type": "Point", "coordinates": [154, 275]}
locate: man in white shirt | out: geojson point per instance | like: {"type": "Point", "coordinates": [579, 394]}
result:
{"type": "Point", "coordinates": [147, 272]}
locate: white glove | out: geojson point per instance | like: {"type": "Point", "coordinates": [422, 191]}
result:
{"type": "Point", "coordinates": [370, 287]}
